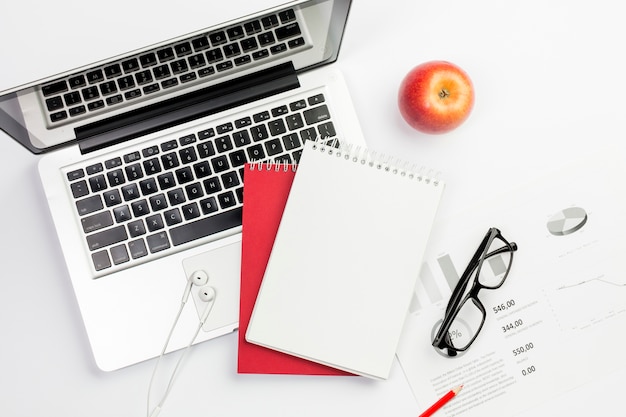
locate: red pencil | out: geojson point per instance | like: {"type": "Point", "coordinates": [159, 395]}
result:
{"type": "Point", "coordinates": [441, 402]}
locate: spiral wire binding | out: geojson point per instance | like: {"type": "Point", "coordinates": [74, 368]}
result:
{"type": "Point", "coordinates": [380, 161]}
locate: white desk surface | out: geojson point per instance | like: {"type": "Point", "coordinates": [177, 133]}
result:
{"type": "Point", "coordinates": [550, 84]}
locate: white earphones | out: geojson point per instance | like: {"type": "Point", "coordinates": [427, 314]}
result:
{"type": "Point", "coordinates": [206, 294]}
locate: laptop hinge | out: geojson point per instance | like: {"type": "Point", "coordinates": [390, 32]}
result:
{"type": "Point", "coordinates": [187, 107]}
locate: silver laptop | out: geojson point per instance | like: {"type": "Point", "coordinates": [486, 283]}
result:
{"type": "Point", "coordinates": [144, 156]}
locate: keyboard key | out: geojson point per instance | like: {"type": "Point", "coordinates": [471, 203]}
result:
{"type": "Point", "coordinates": [316, 114]}
{"type": "Point", "coordinates": [295, 43]}
{"type": "Point", "coordinates": [137, 248]}
{"type": "Point", "coordinates": [316, 99]}
{"type": "Point", "coordinates": [190, 211]}
{"type": "Point", "coordinates": [172, 217]}
{"type": "Point", "coordinates": [96, 222]}
{"type": "Point", "coordinates": [54, 103]}
{"type": "Point", "coordinates": [148, 60]}
{"type": "Point", "coordinates": [95, 76]}
{"type": "Point", "coordinates": [148, 186]}
{"type": "Point", "coordinates": [170, 160]}
{"type": "Point", "coordinates": [108, 87]}
{"type": "Point", "coordinates": [227, 200]}
{"type": "Point", "coordinates": [235, 33]}
{"type": "Point", "coordinates": [129, 95]}
{"type": "Point", "coordinates": [179, 66]}
{"type": "Point", "coordinates": [261, 117]}
{"type": "Point", "coordinates": [132, 157]}
{"type": "Point", "coordinates": [269, 21]}
{"type": "Point", "coordinates": [113, 163]}
{"type": "Point", "coordinates": [223, 66]}
{"type": "Point", "coordinates": [266, 38]}
{"type": "Point", "coordinates": [208, 205]}
{"type": "Point", "coordinates": [154, 223]}
{"type": "Point", "coordinates": [130, 192]}
{"type": "Point", "coordinates": [152, 150]}
{"type": "Point", "coordinates": [259, 132]}
{"type": "Point", "coordinates": [252, 27]}
{"type": "Point", "coordinates": [277, 127]}
{"type": "Point", "coordinates": [130, 65]}
{"type": "Point", "coordinates": [206, 226]}
{"type": "Point", "coordinates": [158, 242]}
{"type": "Point", "coordinates": [77, 81]}
{"type": "Point", "coordinates": [75, 174]}
{"type": "Point", "coordinates": [176, 196]}
{"type": "Point", "coordinates": [220, 164]}
{"type": "Point", "coordinates": [205, 149]}
{"type": "Point", "coordinates": [165, 54]}
{"type": "Point", "coordinates": [140, 208]}
{"type": "Point", "coordinates": [152, 166]}
{"type": "Point", "coordinates": [200, 44]}
{"type": "Point", "coordinates": [223, 144]}
{"type": "Point", "coordinates": [288, 31]}
{"type": "Point", "coordinates": [166, 180]}
{"type": "Point", "coordinates": [152, 88]}
{"type": "Point", "coordinates": [97, 183]}
{"type": "Point", "coordinates": [106, 238]}
{"type": "Point", "coordinates": [112, 198]}
{"type": "Point", "coordinates": [94, 168]}
{"type": "Point", "coordinates": [55, 88]}
{"type": "Point", "coordinates": [212, 185]}
{"type": "Point", "coordinates": [184, 175]}
{"type": "Point", "coordinates": [249, 44]}
{"type": "Point", "coordinates": [95, 105]}
{"type": "Point", "coordinates": [218, 38]}
{"type": "Point", "coordinates": [230, 179]}
{"type": "Point", "coordinates": [214, 55]}
{"type": "Point", "coordinates": [273, 147]}
{"type": "Point", "coordinates": [263, 53]}
{"type": "Point", "coordinates": [162, 71]}
{"type": "Point", "coordinates": [158, 202]}
{"type": "Point", "coordinates": [202, 169]}
{"type": "Point", "coordinates": [277, 49]}
{"type": "Point", "coordinates": [101, 260]}
{"type": "Point", "coordinates": [119, 254]}
{"type": "Point", "coordinates": [196, 61]}
{"type": "Point", "coordinates": [242, 60]}
{"type": "Point", "coordinates": [183, 49]}
{"type": "Point", "coordinates": [287, 15]}
{"type": "Point", "coordinates": [113, 71]}
{"type": "Point", "coordinates": [231, 50]}
{"type": "Point", "coordinates": [143, 77]}
{"type": "Point", "coordinates": [114, 100]}
{"type": "Point", "coordinates": [237, 158]}
{"type": "Point", "coordinates": [121, 214]}
{"type": "Point", "coordinates": [136, 228]}
{"type": "Point", "coordinates": [75, 111]}
{"type": "Point", "coordinates": [133, 172]}
{"type": "Point", "coordinates": [223, 128]}
{"type": "Point", "coordinates": [326, 130]}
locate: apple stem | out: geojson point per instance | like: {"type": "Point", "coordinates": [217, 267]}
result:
{"type": "Point", "coordinates": [444, 93]}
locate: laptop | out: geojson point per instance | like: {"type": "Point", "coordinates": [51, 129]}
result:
{"type": "Point", "coordinates": [143, 157]}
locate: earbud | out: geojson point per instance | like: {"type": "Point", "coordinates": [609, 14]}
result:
{"type": "Point", "coordinates": [198, 278]}
{"type": "Point", "coordinates": [207, 294]}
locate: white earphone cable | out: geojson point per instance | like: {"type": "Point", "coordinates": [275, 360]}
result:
{"type": "Point", "coordinates": [155, 412]}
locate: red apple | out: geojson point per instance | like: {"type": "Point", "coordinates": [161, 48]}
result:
{"type": "Point", "coordinates": [436, 97]}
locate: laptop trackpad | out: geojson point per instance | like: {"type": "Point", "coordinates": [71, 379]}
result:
{"type": "Point", "coordinates": [223, 267]}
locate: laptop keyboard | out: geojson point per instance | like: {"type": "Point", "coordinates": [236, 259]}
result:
{"type": "Point", "coordinates": [171, 68]}
{"type": "Point", "coordinates": [145, 203]}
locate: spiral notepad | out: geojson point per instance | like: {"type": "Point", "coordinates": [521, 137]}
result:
{"type": "Point", "coordinates": [346, 256]}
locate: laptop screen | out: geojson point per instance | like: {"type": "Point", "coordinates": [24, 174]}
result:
{"type": "Point", "coordinates": [117, 79]}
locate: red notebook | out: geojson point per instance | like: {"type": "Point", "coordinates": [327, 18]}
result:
{"type": "Point", "coordinates": [266, 188]}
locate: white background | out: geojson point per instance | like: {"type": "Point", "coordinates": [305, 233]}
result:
{"type": "Point", "coordinates": [549, 81]}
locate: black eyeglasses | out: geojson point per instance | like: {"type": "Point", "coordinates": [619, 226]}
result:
{"type": "Point", "coordinates": [488, 269]}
